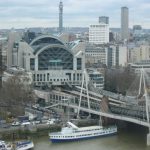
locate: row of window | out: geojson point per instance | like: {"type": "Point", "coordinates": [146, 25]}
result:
{"type": "Point", "coordinates": [104, 132]}
{"type": "Point", "coordinates": [43, 77]}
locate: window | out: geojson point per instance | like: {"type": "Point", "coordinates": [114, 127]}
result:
{"type": "Point", "coordinates": [32, 63]}
{"type": "Point", "coordinates": [40, 77]}
{"type": "Point", "coordinates": [47, 76]}
{"type": "Point", "coordinates": [79, 63]}
{"type": "Point", "coordinates": [44, 77]}
{"type": "Point", "coordinates": [33, 77]}
{"type": "Point", "coordinates": [37, 77]}
{"type": "Point", "coordinates": [73, 77]}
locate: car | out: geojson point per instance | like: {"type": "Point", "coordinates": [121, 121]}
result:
{"type": "Point", "coordinates": [16, 123]}
{"type": "Point", "coordinates": [35, 122]}
{"type": "Point", "coordinates": [6, 126]}
{"type": "Point", "coordinates": [25, 123]}
{"type": "Point", "coordinates": [50, 122]}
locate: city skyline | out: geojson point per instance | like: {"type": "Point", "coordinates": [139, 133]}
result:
{"type": "Point", "coordinates": [77, 13]}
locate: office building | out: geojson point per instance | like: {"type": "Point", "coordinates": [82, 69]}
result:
{"type": "Point", "coordinates": [139, 53]}
{"type": "Point", "coordinates": [137, 30]}
{"type": "Point", "coordinates": [124, 23]}
{"type": "Point", "coordinates": [96, 78]}
{"type": "Point", "coordinates": [95, 54]}
{"type": "Point", "coordinates": [109, 55]}
{"type": "Point", "coordinates": [99, 33]}
{"type": "Point", "coordinates": [13, 37]}
{"type": "Point", "coordinates": [104, 19]}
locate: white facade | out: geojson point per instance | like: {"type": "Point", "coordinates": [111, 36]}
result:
{"type": "Point", "coordinates": [123, 55]}
{"type": "Point", "coordinates": [118, 55]}
{"type": "Point", "coordinates": [139, 53]}
{"type": "Point", "coordinates": [99, 33]}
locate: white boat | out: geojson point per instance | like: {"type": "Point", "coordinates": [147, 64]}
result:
{"type": "Point", "coordinates": [74, 133]}
{"type": "Point", "coordinates": [24, 145]}
{"type": "Point", "coordinates": [4, 146]}
{"type": "Point", "coordinates": [21, 145]}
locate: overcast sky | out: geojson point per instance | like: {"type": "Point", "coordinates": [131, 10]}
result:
{"type": "Point", "coordinates": [44, 13]}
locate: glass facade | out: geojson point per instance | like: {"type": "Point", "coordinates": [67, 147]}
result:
{"type": "Point", "coordinates": [55, 58]}
{"type": "Point", "coordinates": [40, 43]}
{"type": "Point", "coordinates": [47, 40]}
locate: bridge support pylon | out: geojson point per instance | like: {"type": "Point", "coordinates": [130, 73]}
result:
{"type": "Point", "coordinates": [148, 139]}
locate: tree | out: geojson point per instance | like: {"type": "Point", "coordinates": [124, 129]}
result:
{"type": "Point", "coordinates": [15, 95]}
{"type": "Point", "coordinates": [118, 80]}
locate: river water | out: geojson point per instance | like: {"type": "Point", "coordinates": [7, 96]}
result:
{"type": "Point", "coordinates": [126, 139]}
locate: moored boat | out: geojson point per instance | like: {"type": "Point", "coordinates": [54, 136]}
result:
{"type": "Point", "coordinates": [4, 146]}
{"type": "Point", "coordinates": [73, 133]}
{"type": "Point", "coordinates": [24, 145]}
{"type": "Point", "coordinates": [20, 145]}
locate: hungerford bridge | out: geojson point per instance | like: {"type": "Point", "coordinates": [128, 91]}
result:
{"type": "Point", "coordinates": [100, 102]}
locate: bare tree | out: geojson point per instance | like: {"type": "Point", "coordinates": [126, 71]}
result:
{"type": "Point", "coordinates": [15, 95]}
{"type": "Point", "coordinates": [119, 80]}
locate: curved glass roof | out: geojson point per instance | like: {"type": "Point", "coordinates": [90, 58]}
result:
{"type": "Point", "coordinates": [43, 41]}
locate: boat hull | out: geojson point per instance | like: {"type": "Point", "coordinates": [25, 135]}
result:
{"type": "Point", "coordinates": [25, 147]}
{"type": "Point", "coordinates": [54, 140]}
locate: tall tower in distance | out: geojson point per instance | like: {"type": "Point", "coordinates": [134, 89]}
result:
{"type": "Point", "coordinates": [60, 16]}
{"type": "Point", "coordinates": [124, 23]}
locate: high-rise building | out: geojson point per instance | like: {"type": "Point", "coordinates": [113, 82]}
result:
{"type": "Point", "coordinates": [124, 23]}
{"type": "Point", "coordinates": [104, 19]}
{"type": "Point", "coordinates": [60, 16]}
{"type": "Point", "coordinates": [13, 37]}
{"type": "Point", "coordinates": [137, 31]}
{"type": "Point", "coordinates": [99, 33]}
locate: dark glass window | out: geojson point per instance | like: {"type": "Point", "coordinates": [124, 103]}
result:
{"type": "Point", "coordinates": [109, 57]}
{"type": "Point", "coordinates": [37, 77]}
{"type": "Point", "coordinates": [32, 63]}
{"type": "Point", "coordinates": [73, 77]}
{"type": "Point", "coordinates": [47, 76]}
{"type": "Point", "coordinates": [44, 77]}
{"type": "Point", "coordinates": [33, 77]}
{"type": "Point", "coordinates": [40, 77]}
{"type": "Point", "coordinates": [79, 63]}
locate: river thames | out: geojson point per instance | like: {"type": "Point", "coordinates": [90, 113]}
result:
{"type": "Point", "coordinates": [126, 139]}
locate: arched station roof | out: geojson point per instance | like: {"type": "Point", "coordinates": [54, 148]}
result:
{"type": "Point", "coordinates": [44, 40]}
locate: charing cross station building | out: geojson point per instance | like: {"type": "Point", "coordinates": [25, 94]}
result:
{"type": "Point", "coordinates": [50, 60]}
